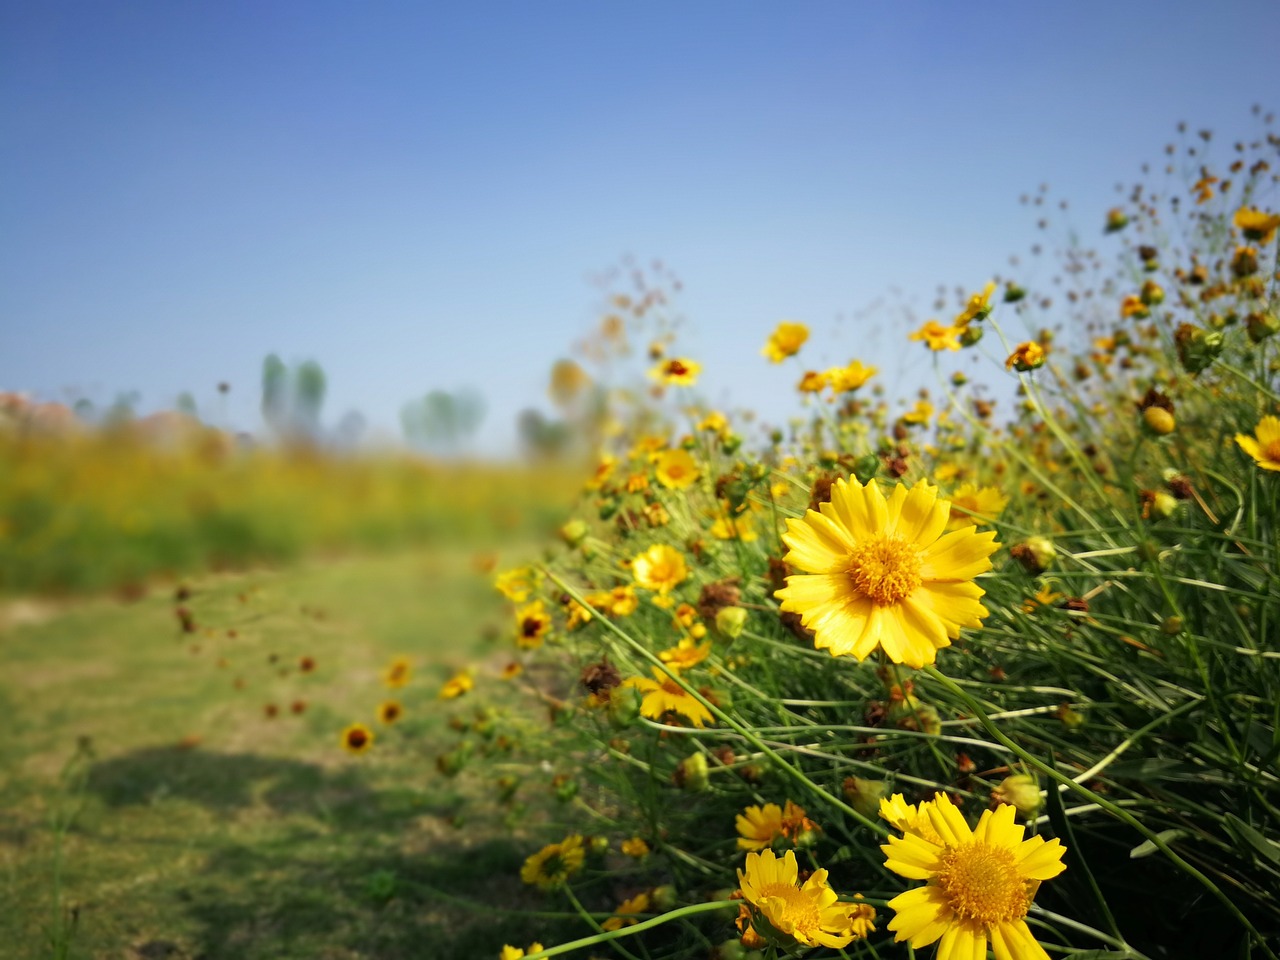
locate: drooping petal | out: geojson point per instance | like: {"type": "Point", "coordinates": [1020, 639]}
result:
{"type": "Point", "coordinates": [912, 857]}
{"type": "Point", "coordinates": [923, 915]}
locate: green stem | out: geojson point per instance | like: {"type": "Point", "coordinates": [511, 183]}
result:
{"type": "Point", "coordinates": [632, 930]}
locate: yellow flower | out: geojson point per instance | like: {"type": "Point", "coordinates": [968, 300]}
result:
{"type": "Point", "coordinates": [662, 694]}
{"type": "Point", "coordinates": [599, 477]}
{"type": "Point", "coordinates": [908, 818]}
{"type": "Point", "coordinates": [920, 413]}
{"type": "Point", "coordinates": [515, 953]}
{"type": "Point", "coordinates": [357, 738]}
{"type": "Point", "coordinates": [554, 864]}
{"type": "Point", "coordinates": [456, 686]}
{"type": "Point", "coordinates": [810, 914]}
{"type": "Point", "coordinates": [978, 307]}
{"type": "Point", "coordinates": [980, 883]}
{"type": "Point", "coordinates": [678, 371]}
{"type": "Point", "coordinates": [882, 574]}
{"type": "Point", "coordinates": [785, 341]}
{"type": "Point", "coordinates": [714, 422]}
{"type": "Point", "coordinates": [1256, 225]}
{"type": "Point", "coordinates": [659, 568]}
{"type": "Point", "coordinates": [635, 847]}
{"type": "Point", "coordinates": [937, 336]}
{"type": "Point", "coordinates": [516, 584]}
{"type": "Point", "coordinates": [971, 504]}
{"type": "Point", "coordinates": [685, 654]}
{"type": "Point", "coordinates": [389, 711]}
{"type": "Point", "coordinates": [812, 382]}
{"type": "Point", "coordinates": [1041, 598]}
{"type": "Point", "coordinates": [1264, 445]}
{"type": "Point", "coordinates": [1133, 306]}
{"type": "Point", "coordinates": [736, 528]}
{"type": "Point", "coordinates": [846, 379]}
{"type": "Point", "coordinates": [397, 672]}
{"type": "Point", "coordinates": [511, 671]}
{"type": "Point", "coordinates": [1026, 356]}
{"type": "Point", "coordinates": [624, 916]}
{"type": "Point", "coordinates": [532, 624]}
{"type": "Point", "coordinates": [676, 470]}
{"type": "Point", "coordinates": [759, 827]}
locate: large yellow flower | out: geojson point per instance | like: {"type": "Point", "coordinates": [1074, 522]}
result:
{"type": "Point", "coordinates": [785, 341]}
{"type": "Point", "coordinates": [880, 573]}
{"type": "Point", "coordinates": [1264, 445]}
{"type": "Point", "coordinates": [659, 568]}
{"type": "Point", "coordinates": [846, 379]}
{"type": "Point", "coordinates": [809, 914]}
{"type": "Point", "coordinates": [978, 307]}
{"type": "Point", "coordinates": [662, 694]}
{"type": "Point", "coordinates": [980, 883]}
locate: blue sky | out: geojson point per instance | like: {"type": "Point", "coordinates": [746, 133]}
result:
{"type": "Point", "coordinates": [414, 194]}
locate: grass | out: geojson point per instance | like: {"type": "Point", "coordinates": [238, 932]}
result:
{"type": "Point", "coordinates": [197, 826]}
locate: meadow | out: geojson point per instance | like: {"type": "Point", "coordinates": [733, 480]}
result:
{"type": "Point", "coordinates": [988, 669]}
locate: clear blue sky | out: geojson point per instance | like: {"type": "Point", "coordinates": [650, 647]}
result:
{"type": "Point", "coordinates": [413, 194]}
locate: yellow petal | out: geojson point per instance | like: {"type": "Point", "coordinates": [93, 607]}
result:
{"type": "Point", "coordinates": [912, 857]}
{"type": "Point", "coordinates": [922, 516]}
{"type": "Point", "coordinates": [923, 915]}
{"type": "Point", "coordinates": [817, 545]}
{"type": "Point", "coordinates": [860, 510]}
{"type": "Point", "coordinates": [960, 555]}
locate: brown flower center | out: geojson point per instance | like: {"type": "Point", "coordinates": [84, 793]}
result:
{"type": "Point", "coordinates": [885, 569]}
{"type": "Point", "coordinates": [982, 883]}
{"type": "Point", "coordinates": [1272, 451]}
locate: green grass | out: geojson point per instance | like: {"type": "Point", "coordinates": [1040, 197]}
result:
{"type": "Point", "coordinates": [200, 827]}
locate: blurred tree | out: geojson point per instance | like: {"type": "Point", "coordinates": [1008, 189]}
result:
{"type": "Point", "coordinates": [187, 404]}
{"type": "Point", "coordinates": [542, 438]}
{"type": "Point", "coordinates": [441, 421]}
{"type": "Point", "coordinates": [292, 400]}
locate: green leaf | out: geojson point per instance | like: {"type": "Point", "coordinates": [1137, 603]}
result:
{"type": "Point", "coordinates": [1243, 833]}
{"type": "Point", "coordinates": [1148, 847]}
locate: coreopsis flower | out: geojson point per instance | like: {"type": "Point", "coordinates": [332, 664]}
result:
{"type": "Point", "coordinates": [1044, 597]}
{"type": "Point", "coordinates": [971, 504]}
{"type": "Point", "coordinates": [599, 477]}
{"type": "Point", "coordinates": [624, 916]}
{"type": "Point", "coordinates": [618, 602]}
{"type": "Point", "coordinates": [1244, 261]}
{"type": "Point", "coordinates": [357, 738]}
{"type": "Point", "coordinates": [511, 671]}
{"type": "Point", "coordinates": [1203, 188]}
{"type": "Point", "coordinates": [1256, 225]}
{"type": "Point", "coordinates": [1117, 219]}
{"type": "Point", "coordinates": [389, 711]}
{"type": "Point", "coordinates": [714, 422]}
{"type": "Point", "coordinates": [980, 883]}
{"type": "Point", "coordinates": [808, 914]}
{"type": "Point", "coordinates": [849, 378]}
{"type": "Point", "coordinates": [758, 827]}
{"type": "Point", "coordinates": [398, 672]}
{"type": "Point", "coordinates": [919, 414]}
{"type": "Point", "coordinates": [880, 573]}
{"type": "Point", "coordinates": [662, 694]}
{"type": "Point", "coordinates": [635, 847]}
{"type": "Point", "coordinates": [533, 623]}
{"type": "Point", "coordinates": [687, 653]}
{"type": "Point", "coordinates": [554, 864]}
{"type": "Point", "coordinates": [676, 470]}
{"type": "Point", "coordinates": [734, 528]}
{"type": "Point", "coordinates": [1025, 357]}
{"type": "Point", "coordinates": [812, 382]}
{"type": "Point", "coordinates": [456, 686]}
{"type": "Point", "coordinates": [677, 372]}
{"type": "Point", "coordinates": [978, 307]}
{"type": "Point", "coordinates": [938, 336]}
{"type": "Point", "coordinates": [515, 953]}
{"type": "Point", "coordinates": [517, 583]}
{"type": "Point", "coordinates": [1264, 445]}
{"type": "Point", "coordinates": [785, 341]}
{"type": "Point", "coordinates": [660, 568]}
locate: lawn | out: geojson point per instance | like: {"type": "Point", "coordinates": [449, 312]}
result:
{"type": "Point", "coordinates": [154, 809]}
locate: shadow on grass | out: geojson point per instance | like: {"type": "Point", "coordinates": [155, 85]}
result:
{"type": "Point", "coordinates": [328, 865]}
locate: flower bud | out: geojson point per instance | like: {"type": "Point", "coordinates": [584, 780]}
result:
{"type": "Point", "coordinates": [1022, 792]}
{"type": "Point", "coordinates": [574, 532]}
{"type": "Point", "coordinates": [731, 621]}
{"type": "Point", "coordinates": [1035, 554]}
{"type": "Point", "coordinates": [1163, 505]}
{"type": "Point", "coordinates": [1261, 325]}
{"type": "Point", "coordinates": [663, 897]}
{"type": "Point", "coordinates": [1159, 421]}
{"type": "Point", "coordinates": [691, 774]}
{"type": "Point", "coordinates": [865, 795]}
